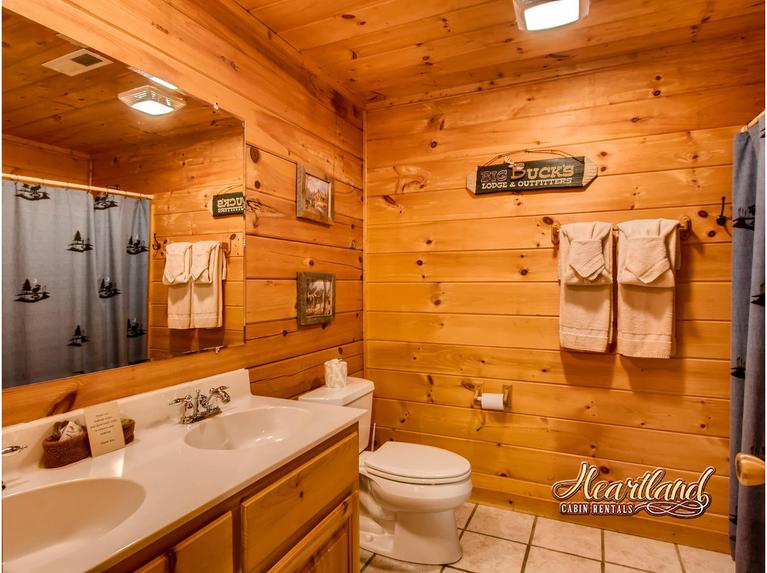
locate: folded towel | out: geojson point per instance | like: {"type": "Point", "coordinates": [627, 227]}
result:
{"type": "Point", "coordinates": [585, 272]}
{"type": "Point", "coordinates": [648, 256]}
{"type": "Point", "coordinates": [177, 272]}
{"type": "Point", "coordinates": [208, 297]}
{"type": "Point", "coordinates": [180, 306]}
{"type": "Point", "coordinates": [204, 260]}
{"type": "Point", "coordinates": [649, 252]}
{"type": "Point", "coordinates": [178, 263]}
{"type": "Point", "coordinates": [646, 261]}
{"type": "Point", "coordinates": [585, 253]}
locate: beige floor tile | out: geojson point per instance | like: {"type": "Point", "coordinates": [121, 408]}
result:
{"type": "Point", "coordinates": [463, 513]}
{"type": "Point", "coordinates": [641, 553]}
{"type": "Point", "coordinates": [483, 554]}
{"type": "Point", "coordinates": [544, 561]}
{"type": "Point", "coordinates": [381, 564]}
{"type": "Point", "coordinates": [568, 537]}
{"type": "Point", "coordinates": [364, 556]}
{"type": "Point", "coordinates": [701, 561]}
{"type": "Point", "coordinates": [502, 523]}
{"type": "Point", "coordinates": [613, 568]}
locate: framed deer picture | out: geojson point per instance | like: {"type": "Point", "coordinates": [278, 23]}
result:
{"type": "Point", "coordinates": [316, 302]}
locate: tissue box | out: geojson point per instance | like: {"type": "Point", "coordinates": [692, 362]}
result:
{"type": "Point", "coordinates": [335, 373]}
{"type": "Point", "coordinates": [57, 454]}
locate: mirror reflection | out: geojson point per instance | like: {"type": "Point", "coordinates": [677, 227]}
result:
{"type": "Point", "coordinates": [108, 173]}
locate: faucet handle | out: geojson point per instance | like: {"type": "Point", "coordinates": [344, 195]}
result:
{"type": "Point", "coordinates": [221, 391]}
{"type": "Point", "coordinates": [186, 400]}
{"type": "Point", "coordinates": [8, 450]}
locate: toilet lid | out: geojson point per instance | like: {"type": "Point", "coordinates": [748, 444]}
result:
{"type": "Point", "coordinates": [417, 463]}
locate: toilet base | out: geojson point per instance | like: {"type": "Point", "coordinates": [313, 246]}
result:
{"type": "Point", "coordinates": [427, 538]}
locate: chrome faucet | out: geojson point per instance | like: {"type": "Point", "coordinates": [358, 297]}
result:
{"type": "Point", "coordinates": [10, 450]}
{"type": "Point", "coordinates": [201, 407]}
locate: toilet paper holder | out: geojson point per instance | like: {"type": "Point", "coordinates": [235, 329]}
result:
{"type": "Point", "coordinates": [477, 401]}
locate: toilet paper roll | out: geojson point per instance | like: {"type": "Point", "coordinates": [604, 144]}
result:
{"type": "Point", "coordinates": [336, 372]}
{"type": "Point", "coordinates": [492, 401]}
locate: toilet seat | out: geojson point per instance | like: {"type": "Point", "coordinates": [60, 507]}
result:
{"type": "Point", "coordinates": [416, 464]}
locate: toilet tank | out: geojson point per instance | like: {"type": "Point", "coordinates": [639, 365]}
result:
{"type": "Point", "coordinates": [358, 393]}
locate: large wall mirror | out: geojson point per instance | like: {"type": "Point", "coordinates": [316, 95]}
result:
{"type": "Point", "coordinates": [107, 173]}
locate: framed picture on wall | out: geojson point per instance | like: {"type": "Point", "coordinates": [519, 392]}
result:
{"type": "Point", "coordinates": [316, 302]}
{"type": "Point", "coordinates": [314, 195]}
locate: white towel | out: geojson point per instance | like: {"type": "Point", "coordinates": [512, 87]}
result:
{"type": "Point", "coordinates": [177, 272]}
{"type": "Point", "coordinates": [207, 289]}
{"type": "Point", "coordinates": [648, 257]}
{"type": "Point", "coordinates": [178, 263]}
{"type": "Point", "coordinates": [203, 253]}
{"type": "Point", "coordinates": [585, 273]}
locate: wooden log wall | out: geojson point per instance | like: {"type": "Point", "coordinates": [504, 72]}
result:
{"type": "Point", "coordinates": [219, 53]}
{"type": "Point", "coordinates": [462, 290]}
{"type": "Point", "coordinates": [183, 174]}
{"type": "Point", "coordinates": [34, 159]}
{"type": "Point", "coordinates": [279, 245]}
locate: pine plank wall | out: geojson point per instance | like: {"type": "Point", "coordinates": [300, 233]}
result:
{"type": "Point", "coordinates": [462, 290]}
{"type": "Point", "coordinates": [220, 53]}
{"type": "Point", "coordinates": [183, 173]}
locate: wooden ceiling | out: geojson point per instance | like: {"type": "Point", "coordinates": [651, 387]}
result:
{"type": "Point", "coordinates": [390, 50]}
{"type": "Point", "coordinates": [82, 112]}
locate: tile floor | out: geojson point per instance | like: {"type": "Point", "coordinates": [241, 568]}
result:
{"type": "Point", "coordinates": [497, 540]}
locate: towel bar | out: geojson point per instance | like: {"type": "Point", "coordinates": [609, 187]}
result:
{"type": "Point", "coordinates": [685, 226]}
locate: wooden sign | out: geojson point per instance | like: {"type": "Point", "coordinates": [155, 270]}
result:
{"type": "Point", "coordinates": [228, 204]}
{"type": "Point", "coordinates": [557, 173]}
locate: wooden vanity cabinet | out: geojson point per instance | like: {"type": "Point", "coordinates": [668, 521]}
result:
{"type": "Point", "coordinates": [208, 550]}
{"type": "Point", "coordinates": [304, 517]}
{"type": "Point", "coordinates": [331, 547]}
{"type": "Point", "coordinates": [276, 518]}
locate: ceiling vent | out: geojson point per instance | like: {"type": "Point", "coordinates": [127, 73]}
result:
{"type": "Point", "coordinates": [77, 62]}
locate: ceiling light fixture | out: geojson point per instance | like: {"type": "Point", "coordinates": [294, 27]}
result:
{"type": "Point", "coordinates": [535, 15]}
{"type": "Point", "coordinates": [151, 100]}
{"type": "Point", "coordinates": [155, 79]}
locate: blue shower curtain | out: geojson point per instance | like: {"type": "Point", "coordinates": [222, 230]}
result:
{"type": "Point", "coordinates": [74, 282]}
{"type": "Point", "coordinates": [747, 349]}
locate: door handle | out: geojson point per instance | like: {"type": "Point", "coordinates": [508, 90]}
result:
{"type": "Point", "coordinates": [749, 469]}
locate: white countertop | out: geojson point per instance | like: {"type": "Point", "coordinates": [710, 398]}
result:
{"type": "Point", "coordinates": [180, 481]}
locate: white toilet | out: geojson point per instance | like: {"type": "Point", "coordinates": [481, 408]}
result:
{"type": "Point", "coordinates": [408, 492]}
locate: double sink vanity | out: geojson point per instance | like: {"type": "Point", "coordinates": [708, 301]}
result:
{"type": "Point", "coordinates": [265, 485]}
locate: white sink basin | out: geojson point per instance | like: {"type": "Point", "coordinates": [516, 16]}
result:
{"type": "Point", "coordinates": [62, 515]}
{"type": "Point", "coordinates": [248, 428]}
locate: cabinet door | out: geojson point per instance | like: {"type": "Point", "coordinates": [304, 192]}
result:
{"type": "Point", "coordinates": [209, 550]}
{"type": "Point", "coordinates": [159, 565]}
{"type": "Point", "coordinates": [331, 547]}
{"type": "Point", "coordinates": [276, 518]}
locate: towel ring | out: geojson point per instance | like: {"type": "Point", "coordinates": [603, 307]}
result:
{"type": "Point", "coordinates": [685, 227]}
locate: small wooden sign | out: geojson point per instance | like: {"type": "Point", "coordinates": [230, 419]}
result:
{"type": "Point", "coordinates": [557, 173]}
{"type": "Point", "coordinates": [228, 204]}
{"type": "Point", "coordinates": [105, 431]}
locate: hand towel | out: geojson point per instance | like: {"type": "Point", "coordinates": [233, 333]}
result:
{"type": "Point", "coordinates": [178, 263]}
{"type": "Point", "coordinates": [585, 272]}
{"type": "Point", "coordinates": [202, 261]}
{"type": "Point", "coordinates": [176, 275]}
{"type": "Point", "coordinates": [208, 290]}
{"type": "Point", "coordinates": [648, 257]}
